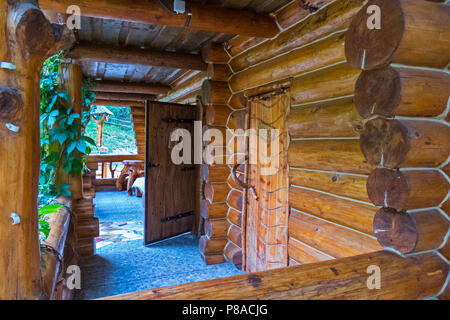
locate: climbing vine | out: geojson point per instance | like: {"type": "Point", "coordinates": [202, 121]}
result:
{"type": "Point", "coordinates": [62, 145]}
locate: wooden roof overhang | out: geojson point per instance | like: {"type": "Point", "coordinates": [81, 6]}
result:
{"type": "Point", "coordinates": [125, 43]}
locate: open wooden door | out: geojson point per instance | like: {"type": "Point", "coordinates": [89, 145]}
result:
{"type": "Point", "coordinates": [170, 188]}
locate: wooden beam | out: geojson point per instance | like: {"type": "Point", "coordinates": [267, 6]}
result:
{"type": "Point", "coordinates": [208, 18]}
{"type": "Point", "coordinates": [118, 103]}
{"type": "Point", "coordinates": [127, 87]}
{"type": "Point", "coordinates": [134, 56]}
{"type": "Point", "coordinates": [415, 277]}
{"type": "Point", "coordinates": [124, 96]}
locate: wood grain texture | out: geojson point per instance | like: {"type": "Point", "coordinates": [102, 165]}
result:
{"type": "Point", "coordinates": [413, 33]}
{"type": "Point", "coordinates": [410, 232]}
{"type": "Point", "coordinates": [416, 277]}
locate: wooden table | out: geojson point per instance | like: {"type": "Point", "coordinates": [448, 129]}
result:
{"type": "Point", "coordinates": [131, 169]}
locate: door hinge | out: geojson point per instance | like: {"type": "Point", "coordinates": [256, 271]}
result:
{"type": "Point", "coordinates": [178, 216]}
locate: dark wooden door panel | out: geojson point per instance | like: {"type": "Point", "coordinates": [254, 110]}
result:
{"type": "Point", "coordinates": [170, 194]}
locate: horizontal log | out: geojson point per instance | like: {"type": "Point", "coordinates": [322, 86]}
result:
{"type": "Point", "coordinates": [328, 238]}
{"type": "Point", "coordinates": [216, 192]}
{"type": "Point", "coordinates": [233, 254]}
{"type": "Point", "coordinates": [413, 33]}
{"type": "Point", "coordinates": [241, 43]}
{"type": "Point", "coordinates": [124, 96]}
{"type": "Point", "coordinates": [346, 185]}
{"type": "Point", "coordinates": [238, 101]}
{"type": "Point", "coordinates": [215, 92]}
{"type": "Point", "coordinates": [217, 173]}
{"type": "Point", "coordinates": [415, 277]}
{"type": "Point", "coordinates": [303, 254]}
{"type": "Point", "coordinates": [218, 72]}
{"type": "Point", "coordinates": [332, 82]}
{"type": "Point", "coordinates": [235, 235]}
{"type": "Point", "coordinates": [118, 103]}
{"type": "Point", "coordinates": [237, 120]}
{"type": "Point", "coordinates": [406, 190]}
{"type": "Point", "coordinates": [405, 143]}
{"type": "Point", "coordinates": [183, 78]}
{"type": "Point", "coordinates": [59, 224]}
{"type": "Point", "coordinates": [85, 247]}
{"type": "Point", "coordinates": [189, 99]}
{"type": "Point", "coordinates": [213, 259]}
{"type": "Point", "coordinates": [214, 53]}
{"type": "Point", "coordinates": [217, 115]}
{"type": "Point", "coordinates": [308, 58]}
{"type": "Point", "coordinates": [185, 89]}
{"type": "Point", "coordinates": [211, 246]}
{"type": "Point", "coordinates": [207, 18]}
{"type": "Point", "coordinates": [445, 250]}
{"type": "Point", "coordinates": [234, 200]}
{"type": "Point", "coordinates": [393, 91]}
{"type": "Point", "coordinates": [297, 10]}
{"type": "Point", "coordinates": [213, 210]}
{"type": "Point", "coordinates": [331, 155]}
{"type": "Point", "coordinates": [87, 228]}
{"type": "Point", "coordinates": [336, 16]}
{"type": "Point", "coordinates": [216, 228]}
{"type": "Point", "coordinates": [134, 56]}
{"type": "Point", "coordinates": [337, 118]}
{"type": "Point", "coordinates": [410, 232]}
{"type": "Point", "coordinates": [128, 87]}
{"type": "Point", "coordinates": [235, 217]}
{"type": "Point", "coordinates": [348, 213]}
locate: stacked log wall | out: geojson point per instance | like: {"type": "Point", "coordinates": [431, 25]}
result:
{"type": "Point", "coordinates": [138, 120]}
{"type": "Point", "coordinates": [331, 215]}
{"type": "Point", "coordinates": [402, 94]}
{"type": "Point", "coordinates": [214, 173]}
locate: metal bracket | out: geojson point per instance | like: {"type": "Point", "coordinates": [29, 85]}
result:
{"type": "Point", "coordinates": [178, 216]}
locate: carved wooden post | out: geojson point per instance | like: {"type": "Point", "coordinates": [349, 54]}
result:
{"type": "Point", "coordinates": [27, 39]}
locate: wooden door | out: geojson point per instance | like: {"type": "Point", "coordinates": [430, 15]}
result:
{"type": "Point", "coordinates": [267, 205]}
{"type": "Point", "coordinates": [170, 188]}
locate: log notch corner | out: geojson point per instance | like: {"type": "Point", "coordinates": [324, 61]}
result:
{"type": "Point", "coordinates": [27, 38]}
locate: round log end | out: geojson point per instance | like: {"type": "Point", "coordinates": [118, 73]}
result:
{"type": "Point", "coordinates": [10, 105]}
{"type": "Point", "coordinates": [378, 92]}
{"type": "Point", "coordinates": [388, 188]}
{"type": "Point", "coordinates": [204, 208]}
{"type": "Point", "coordinates": [204, 172]}
{"type": "Point", "coordinates": [368, 48]}
{"type": "Point", "coordinates": [210, 115]}
{"type": "Point", "coordinates": [34, 33]}
{"type": "Point", "coordinates": [209, 192]}
{"type": "Point", "coordinates": [384, 142]}
{"type": "Point", "coordinates": [395, 230]}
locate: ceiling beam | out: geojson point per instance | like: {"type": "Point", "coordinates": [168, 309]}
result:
{"type": "Point", "coordinates": [118, 103]}
{"type": "Point", "coordinates": [208, 18]}
{"type": "Point", "coordinates": [133, 56]}
{"type": "Point", "coordinates": [124, 96]}
{"type": "Point", "coordinates": [130, 87]}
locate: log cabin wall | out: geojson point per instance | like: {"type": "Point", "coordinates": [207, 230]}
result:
{"type": "Point", "coordinates": [138, 120]}
{"type": "Point", "coordinates": [402, 94]}
{"type": "Point", "coordinates": [331, 215]}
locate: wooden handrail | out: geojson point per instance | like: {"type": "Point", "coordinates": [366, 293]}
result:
{"type": "Point", "coordinates": [59, 224]}
{"type": "Point", "coordinates": [112, 157]}
{"type": "Point", "coordinates": [414, 277]}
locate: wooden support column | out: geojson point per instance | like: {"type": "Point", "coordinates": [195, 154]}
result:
{"type": "Point", "coordinates": [27, 39]}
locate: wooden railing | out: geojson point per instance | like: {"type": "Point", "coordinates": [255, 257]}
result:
{"type": "Point", "coordinates": [414, 277]}
{"type": "Point", "coordinates": [53, 251]}
{"type": "Point", "coordinates": [107, 167]}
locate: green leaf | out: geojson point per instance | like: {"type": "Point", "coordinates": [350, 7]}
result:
{"type": "Point", "coordinates": [81, 146]}
{"type": "Point", "coordinates": [71, 147]}
{"type": "Point", "coordinates": [48, 209]}
{"type": "Point", "coordinates": [88, 140]}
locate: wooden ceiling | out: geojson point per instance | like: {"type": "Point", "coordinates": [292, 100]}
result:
{"type": "Point", "coordinates": [96, 31]}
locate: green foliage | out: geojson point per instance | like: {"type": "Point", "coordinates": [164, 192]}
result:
{"type": "Point", "coordinates": [44, 227]}
{"type": "Point", "coordinates": [118, 133]}
{"type": "Point", "coordinates": [62, 146]}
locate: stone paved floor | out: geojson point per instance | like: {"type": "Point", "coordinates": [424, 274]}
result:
{"type": "Point", "coordinates": [127, 265]}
